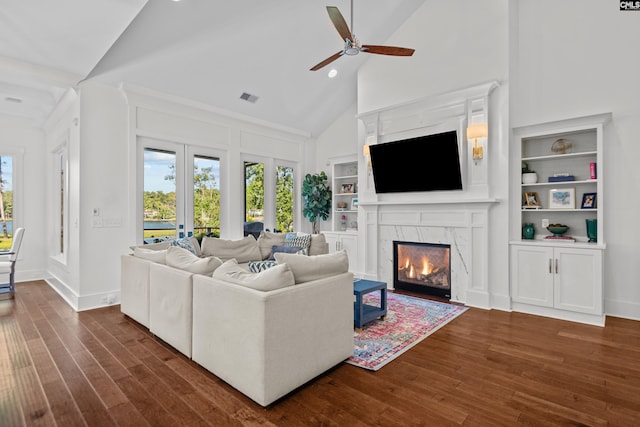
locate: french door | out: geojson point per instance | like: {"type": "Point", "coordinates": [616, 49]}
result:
{"type": "Point", "coordinates": [180, 191]}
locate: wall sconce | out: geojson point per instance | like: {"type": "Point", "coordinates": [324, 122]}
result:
{"type": "Point", "coordinates": [475, 131]}
{"type": "Point", "coordinates": [367, 154]}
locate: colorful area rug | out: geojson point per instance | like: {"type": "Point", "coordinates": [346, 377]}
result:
{"type": "Point", "coordinates": [409, 320]}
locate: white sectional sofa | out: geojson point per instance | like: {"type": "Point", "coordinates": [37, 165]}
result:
{"type": "Point", "coordinates": [264, 333]}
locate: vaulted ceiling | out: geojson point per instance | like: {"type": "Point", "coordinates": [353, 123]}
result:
{"type": "Point", "coordinates": [209, 51]}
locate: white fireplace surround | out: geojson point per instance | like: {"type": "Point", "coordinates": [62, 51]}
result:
{"type": "Point", "coordinates": [456, 218]}
{"type": "Point", "coordinates": [463, 226]}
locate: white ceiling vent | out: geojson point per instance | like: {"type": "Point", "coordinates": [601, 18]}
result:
{"type": "Point", "coordinates": [248, 97]}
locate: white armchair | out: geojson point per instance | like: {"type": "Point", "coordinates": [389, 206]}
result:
{"type": "Point", "coordinates": [8, 260]}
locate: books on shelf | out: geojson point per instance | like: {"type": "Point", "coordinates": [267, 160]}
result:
{"type": "Point", "coordinates": [560, 238]}
{"type": "Point", "coordinates": [532, 207]}
{"type": "Point", "coordinates": [562, 178]}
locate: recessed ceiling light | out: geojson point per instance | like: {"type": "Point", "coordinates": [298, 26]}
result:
{"type": "Point", "coordinates": [332, 73]}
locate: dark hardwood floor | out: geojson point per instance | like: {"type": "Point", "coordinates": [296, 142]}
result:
{"type": "Point", "coordinates": [485, 368]}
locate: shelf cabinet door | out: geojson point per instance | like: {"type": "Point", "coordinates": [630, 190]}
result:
{"type": "Point", "coordinates": [350, 244]}
{"type": "Point", "coordinates": [578, 280]}
{"type": "Point", "coordinates": [532, 275]}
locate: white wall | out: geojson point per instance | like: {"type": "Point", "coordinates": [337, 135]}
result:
{"type": "Point", "coordinates": [578, 58]}
{"type": "Point", "coordinates": [458, 44]}
{"type": "Point", "coordinates": [338, 140]}
{"type": "Point", "coordinates": [104, 185]}
{"type": "Point", "coordinates": [27, 145]}
{"type": "Point", "coordinates": [62, 130]}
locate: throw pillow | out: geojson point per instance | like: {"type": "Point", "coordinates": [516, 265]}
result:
{"type": "Point", "coordinates": [266, 242]}
{"type": "Point", "coordinates": [301, 240]}
{"type": "Point", "coordinates": [243, 250]}
{"type": "Point", "coordinates": [308, 268]}
{"type": "Point", "coordinates": [287, 250]}
{"type": "Point", "coordinates": [277, 277]}
{"type": "Point", "coordinates": [158, 256]}
{"type": "Point", "coordinates": [185, 243]}
{"type": "Point", "coordinates": [184, 259]}
{"type": "Point", "coordinates": [318, 245]}
{"type": "Point", "coordinates": [258, 266]}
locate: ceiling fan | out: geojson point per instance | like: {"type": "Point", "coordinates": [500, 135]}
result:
{"type": "Point", "coordinates": [351, 44]}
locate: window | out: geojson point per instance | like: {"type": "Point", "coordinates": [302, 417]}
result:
{"type": "Point", "coordinates": [159, 198]}
{"type": "Point", "coordinates": [254, 191]}
{"type": "Point", "coordinates": [284, 198]}
{"type": "Point", "coordinates": [206, 196]}
{"type": "Point", "coordinates": [6, 201]}
{"type": "Point", "coordinates": [270, 196]}
{"type": "Point", "coordinates": [180, 190]}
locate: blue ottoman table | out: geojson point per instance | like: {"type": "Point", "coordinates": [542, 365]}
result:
{"type": "Point", "coordinates": [364, 313]}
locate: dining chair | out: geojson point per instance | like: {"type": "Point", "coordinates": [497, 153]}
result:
{"type": "Point", "coordinates": [8, 259]}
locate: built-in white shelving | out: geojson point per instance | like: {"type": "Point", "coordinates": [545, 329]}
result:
{"type": "Point", "coordinates": [559, 278]}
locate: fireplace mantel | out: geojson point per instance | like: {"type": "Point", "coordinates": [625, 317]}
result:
{"type": "Point", "coordinates": [429, 202]}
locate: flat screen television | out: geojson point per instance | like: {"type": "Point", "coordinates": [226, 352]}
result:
{"type": "Point", "coordinates": [425, 163]}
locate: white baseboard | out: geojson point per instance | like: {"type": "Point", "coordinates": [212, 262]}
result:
{"type": "Point", "coordinates": [67, 294]}
{"type": "Point", "coordinates": [624, 309]}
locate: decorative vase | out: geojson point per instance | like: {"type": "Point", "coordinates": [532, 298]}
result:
{"type": "Point", "coordinates": [528, 231]}
{"type": "Point", "coordinates": [529, 178]}
{"type": "Point", "coordinates": [592, 230]}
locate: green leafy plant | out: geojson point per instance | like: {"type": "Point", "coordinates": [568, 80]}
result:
{"type": "Point", "coordinates": [525, 168]}
{"type": "Point", "coordinates": [316, 195]}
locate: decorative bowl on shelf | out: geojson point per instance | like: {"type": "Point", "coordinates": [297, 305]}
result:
{"type": "Point", "coordinates": [558, 229]}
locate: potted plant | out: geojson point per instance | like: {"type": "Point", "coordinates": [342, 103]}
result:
{"type": "Point", "coordinates": [316, 195]}
{"type": "Point", "coordinates": [528, 176]}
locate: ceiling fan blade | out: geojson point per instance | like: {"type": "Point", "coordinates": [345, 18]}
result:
{"type": "Point", "coordinates": [327, 61]}
{"type": "Point", "coordinates": [387, 50]}
{"type": "Point", "coordinates": [339, 22]}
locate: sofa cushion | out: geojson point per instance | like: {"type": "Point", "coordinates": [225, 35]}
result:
{"type": "Point", "coordinates": [277, 277]}
{"type": "Point", "coordinates": [318, 245]}
{"type": "Point", "coordinates": [243, 250]}
{"type": "Point", "coordinates": [258, 266]}
{"type": "Point", "coordinates": [184, 259]}
{"type": "Point", "coordinates": [287, 250]}
{"type": "Point", "coordinates": [189, 243]}
{"type": "Point", "coordinates": [158, 256]}
{"type": "Point", "coordinates": [309, 268]}
{"type": "Point", "coordinates": [302, 240]}
{"type": "Point", "coordinates": [267, 240]}
{"type": "Point", "coordinates": [154, 246]}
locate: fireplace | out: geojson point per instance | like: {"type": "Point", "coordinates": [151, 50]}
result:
{"type": "Point", "coordinates": [422, 267]}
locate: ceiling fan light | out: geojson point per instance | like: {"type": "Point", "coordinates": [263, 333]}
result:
{"type": "Point", "coordinates": [351, 51]}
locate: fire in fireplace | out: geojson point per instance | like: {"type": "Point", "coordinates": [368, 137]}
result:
{"type": "Point", "coordinates": [422, 267]}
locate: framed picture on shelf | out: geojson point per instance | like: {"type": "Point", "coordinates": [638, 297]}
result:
{"type": "Point", "coordinates": [563, 198]}
{"type": "Point", "coordinates": [354, 204]}
{"type": "Point", "coordinates": [531, 199]}
{"type": "Point", "coordinates": [347, 188]}
{"type": "Point", "coordinates": [589, 201]}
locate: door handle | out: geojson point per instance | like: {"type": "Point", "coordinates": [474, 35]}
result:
{"type": "Point", "coordinates": [556, 265]}
{"type": "Point", "coordinates": [550, 266]}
